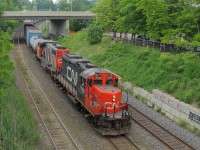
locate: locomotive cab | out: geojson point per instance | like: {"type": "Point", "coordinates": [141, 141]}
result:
{"type": "Point", "coordinates": [105, 101]}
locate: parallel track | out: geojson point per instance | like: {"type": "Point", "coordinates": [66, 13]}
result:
{"type": "Point", "coordinates": [166, 137]}
{"type": "Point", "coordinates": [123, 143]}
{"type": "Point", "coordinates": [57, 132]}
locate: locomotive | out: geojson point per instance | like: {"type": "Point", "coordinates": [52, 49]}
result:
{"type": "Point", "coordinates": [93, 90]}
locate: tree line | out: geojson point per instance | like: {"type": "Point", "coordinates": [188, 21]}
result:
{"type": "Point", "coordinates": [168, 21]}
{"type": "Point", "coordinates": [18, 128]}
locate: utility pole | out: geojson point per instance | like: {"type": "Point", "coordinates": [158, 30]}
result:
{"type": "Point", "coordinates": [71, 5]}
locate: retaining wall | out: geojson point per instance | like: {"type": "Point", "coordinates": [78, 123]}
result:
{"type": "Point", "coordinates": [172, 107]}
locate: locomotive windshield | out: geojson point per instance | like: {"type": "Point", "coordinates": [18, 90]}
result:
{"type": "Point", "coordinates": [109, 82]}
{"type": "Point", "coordinates": [98, 82]}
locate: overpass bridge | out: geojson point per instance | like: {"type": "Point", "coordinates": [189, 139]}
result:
{"type": "Point", "coordinates": [31, 15]}
{"type": "Point", "coordinates": [58, 20]}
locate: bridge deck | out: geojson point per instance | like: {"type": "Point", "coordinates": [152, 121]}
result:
{"type": "Point", "coordinates": [48, 15]}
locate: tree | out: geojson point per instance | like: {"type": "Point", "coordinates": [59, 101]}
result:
{"type": "Point", "coordinates": [6, 64]}
{"type": "Point", "coordinates": [63, 5]}
{"type": "Point", "coordinates": [156, 18]}
{"type": "Point", "coordinates": [77, 25]}
{"type": "Point", "coordinates": [44, 4]}
{"type": "Point", "coordinates": [106, 14]}
{"type": "Point", "coordinates": [76, 5]}
{"type": "Point", "coordinates": [94, 34]}
{"type": "Point", "coordinates": [130, 19]}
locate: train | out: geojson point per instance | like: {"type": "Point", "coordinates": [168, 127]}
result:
{"type": "Point", "coordinates": [93, 90]}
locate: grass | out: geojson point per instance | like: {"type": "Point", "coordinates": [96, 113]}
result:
{"type": "Point", "coordinates": [177, 74]}
{"type": "Point", "coordinates": [18, 126]}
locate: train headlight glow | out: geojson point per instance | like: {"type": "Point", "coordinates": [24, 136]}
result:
{"type": "Point", "coordinates": [126, 113]}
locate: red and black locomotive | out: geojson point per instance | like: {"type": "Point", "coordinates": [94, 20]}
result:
{"type": "Point", "coordinates": [93, 90]}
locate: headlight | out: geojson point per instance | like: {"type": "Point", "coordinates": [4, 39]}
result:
{"type": "Point", "coordinates": [126, 113]}
{"type": "Point", "coordinates": [114, 98]}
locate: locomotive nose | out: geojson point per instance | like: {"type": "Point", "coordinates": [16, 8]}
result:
{"type": "Point", "coordinates": [109, 97]}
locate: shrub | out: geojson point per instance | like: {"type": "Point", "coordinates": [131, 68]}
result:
{"type": "Point", "coordinates": [182, 123]}
{"type": "Point", "coordinates": [158, 109]}
{"type": "Point", "coordinates": [94, 34]}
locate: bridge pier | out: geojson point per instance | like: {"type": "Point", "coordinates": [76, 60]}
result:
{"type": "Point", "coordinates": [58, 26]}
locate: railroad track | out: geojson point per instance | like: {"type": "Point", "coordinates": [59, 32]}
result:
{"type": "Point", "coordinates": [56, 130]}
{"type": "Point", "coordinates": [122, 143]}
{"type": "Point", "coordinates": [166, 137]}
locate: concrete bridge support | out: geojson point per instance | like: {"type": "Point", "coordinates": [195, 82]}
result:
{"type": "Point", "coordinates": [58, 26]}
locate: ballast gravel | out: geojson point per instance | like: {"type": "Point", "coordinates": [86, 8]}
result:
{"type": "Point", "coordinates": [170, 125]}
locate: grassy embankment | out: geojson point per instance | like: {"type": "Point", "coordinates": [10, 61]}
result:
{"type": "Point", "coordinates": [18, 128]}
{"type": "Point", "coordinates": [178, 75]}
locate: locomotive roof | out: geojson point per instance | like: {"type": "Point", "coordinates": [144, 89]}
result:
{"type": "Point", "coordinates": [92, 71]}
{"type": "Point", "coordinates": [54, 45]}
{"type": "Point", "coordinates": [78, 61]}
{"type": "Point", "coordinates": [70, 56]}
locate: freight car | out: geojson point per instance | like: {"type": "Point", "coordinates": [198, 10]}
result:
{"type": "Point", "coordinates": [29, 31]}
{"type": "Point", "coordinates": [93, 90]}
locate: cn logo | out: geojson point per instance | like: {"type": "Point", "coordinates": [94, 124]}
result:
{"type": "Point", "coordinates": [72, 75]}
{"type": "Point", "coordinates": [110, 105]}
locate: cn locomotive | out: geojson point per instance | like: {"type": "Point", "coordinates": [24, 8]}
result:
{"type": "Point", "coordinates": [93, 90]}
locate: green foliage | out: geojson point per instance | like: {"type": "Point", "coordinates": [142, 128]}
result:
{"type": "Point", "coordinates": [18, 126]}
{"type": "Point", "coordinates": [94, 34]}
{"type": "Point", "coordinates": [6, 64]}
{"type": "Point", "coordinates": [183, 123]}
{"type": "Point", "coordinates": [106, 14]}
{"type": "Point", "coordinates": [9, 25]}
{"type": "Point", "coordinates": [170, 21]}
{"type": "Point", "coordinates": [77, 25]}
{"type": "Point", "coordinates": [177, 75]}
{"type": "Point", "coordinates": [45, 31]}
{"type": "Point", "coordinates": [44, 5]}
{"type": "Point", "coordinates": [158, 109]}
{"type": "Point", "coordinates": [162, 113]}
{"type": "Point", "coordinates": [76, 5]}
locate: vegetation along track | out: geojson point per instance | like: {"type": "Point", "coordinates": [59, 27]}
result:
{"type": "Point", "coordinates": [56, 130]}
{"type": "Point", "coordinates": [166, 137]}
{"type": "Point", "coordinates": [122, 143]}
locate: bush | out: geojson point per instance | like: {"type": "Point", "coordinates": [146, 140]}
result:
{"type": "Point", "coordinates": [183, 123]}
{"type": "Point", "coordinates": [94, 34]}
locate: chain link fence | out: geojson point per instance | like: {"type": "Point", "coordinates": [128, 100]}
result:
{"type": "Point", "coordinates": [141, 41]}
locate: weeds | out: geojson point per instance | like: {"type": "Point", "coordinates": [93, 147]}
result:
{"type": "Point", "coordinates": [183, 122]}
{"type": "Point", "coordinates": [158, 109]}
